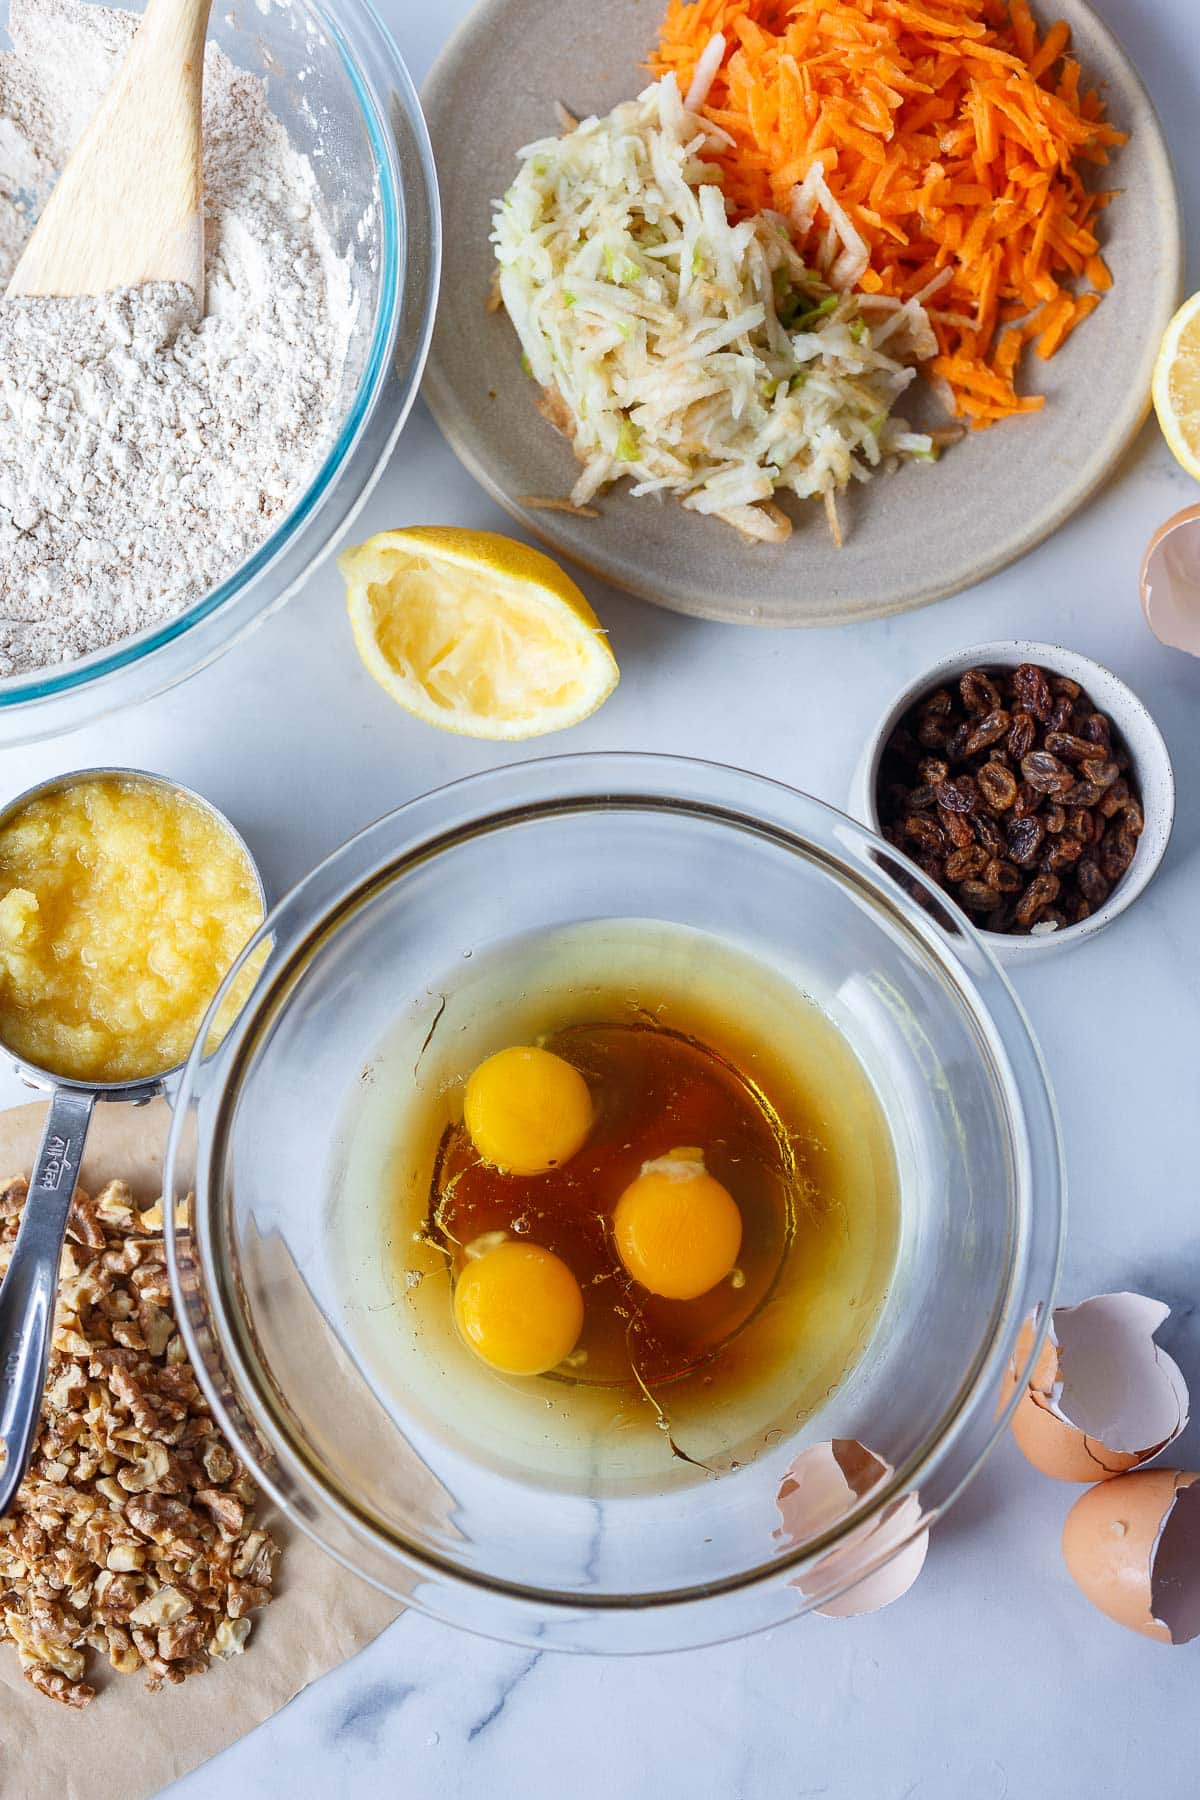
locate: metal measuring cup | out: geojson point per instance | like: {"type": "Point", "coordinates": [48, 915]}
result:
{"type": "Point", "coordinates": [28, 1292]}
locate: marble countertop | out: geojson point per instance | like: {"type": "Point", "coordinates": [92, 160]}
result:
{"type": "Point", "coordinates": [993, 1677]}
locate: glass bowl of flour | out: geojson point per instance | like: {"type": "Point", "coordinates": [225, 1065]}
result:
{"type": "Point", "coordinates": [166, 481]}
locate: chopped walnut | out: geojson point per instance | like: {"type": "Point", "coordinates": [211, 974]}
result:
{"type": "Point", "coordinates": [57, 1687]}
{"type": "Point", "coordinates": [229, 1639]}
{"type": "Point", "coordinates": [162, 1607]}
{"type": "Point", "coordinates": [133, 1533]}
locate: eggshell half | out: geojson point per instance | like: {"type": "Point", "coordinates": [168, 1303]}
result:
{"type": "Point", "coordinates": [897, 1534]}
{"type": "Point", "coordinates": [816, 1491]}
{"type": "Point", "coordinates": [1103, 1397]}
{"type": "Point", "coordinates": [1132, 1546]}
{"type": "Point", "coordinates": [1041, 1376]}
{"type": "Point", "coordinates": [823, 1484]}
{"type": "Point", "coordinates": [1170, 582]}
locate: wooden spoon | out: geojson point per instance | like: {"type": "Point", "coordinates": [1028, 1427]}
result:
{"type": "Point", "coordinates": [128, 207]}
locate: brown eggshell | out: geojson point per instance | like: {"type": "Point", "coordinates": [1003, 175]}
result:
{"type": "Point", "coordinates": [1109, 1541]}
{"type": "Point", "coordinates": [1170, 582]}
{"type": "Point", "coordinates": [1061, 1450]}
{"type": "Point", "coordinates": [1041, 1375]}
{"type": "Point", "coordinates": [1049, 1443]}
{"type": "Point", "coordinates": [1100, 1369]}
{"type": "Point", "coordinates": [822, 1486]}
{"type": "Point", "coordinates": [1044, 1373]}
{"type": "Point", "coordinates": [897, 1537]}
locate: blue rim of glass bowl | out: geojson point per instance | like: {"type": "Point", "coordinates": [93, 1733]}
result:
{"type": "Point", "coordinates": [144, 644]}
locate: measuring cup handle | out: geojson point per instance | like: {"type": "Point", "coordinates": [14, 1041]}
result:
{"type": "Point", "coordinates": [28, 1292]}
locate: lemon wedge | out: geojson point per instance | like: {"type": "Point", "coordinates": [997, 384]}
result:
{"type": "Point", "coordinates": [1176, 388]}
{"type": "Point", "coordinates": [476, 633]}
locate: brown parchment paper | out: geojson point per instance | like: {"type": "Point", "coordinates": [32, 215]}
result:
{"type": "Point", "coordinates": [128, 1744]}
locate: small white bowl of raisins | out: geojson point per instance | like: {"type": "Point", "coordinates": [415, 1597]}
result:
{"type": "Point", "coordinates": [1030, 784]}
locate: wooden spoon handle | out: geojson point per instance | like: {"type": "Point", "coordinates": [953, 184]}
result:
{"type": "Point", "coordinates": [128, 207]}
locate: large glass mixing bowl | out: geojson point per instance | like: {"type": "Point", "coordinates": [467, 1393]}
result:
{"type": "Point", "coordinates": [337, 81]}
{"type": "Point", "coordinates": [257, 1153]}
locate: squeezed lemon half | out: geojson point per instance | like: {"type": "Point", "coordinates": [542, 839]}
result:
{"type": "Point", "coordinates": [1176, 387]}
{"type": "Point", "coordinates": [476, 633]}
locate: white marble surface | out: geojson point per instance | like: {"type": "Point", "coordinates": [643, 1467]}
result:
{"type": "Point", "coordinates": [993, 1677]}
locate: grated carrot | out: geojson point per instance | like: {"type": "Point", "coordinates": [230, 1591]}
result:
{"type": "Point", "coordinates": [953, 133]}
{"type": "Point", "coordinates": [1097, 272]}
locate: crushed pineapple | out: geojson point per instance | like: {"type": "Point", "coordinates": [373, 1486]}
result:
{"type": "Point", "coordinates": [122, 905]}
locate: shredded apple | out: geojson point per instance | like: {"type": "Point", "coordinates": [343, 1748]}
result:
{"type": "Point", "coordinates": [951, 135]}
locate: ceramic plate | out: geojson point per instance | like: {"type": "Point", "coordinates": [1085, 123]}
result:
{"type": "Point", "coordinates": [927, 531]}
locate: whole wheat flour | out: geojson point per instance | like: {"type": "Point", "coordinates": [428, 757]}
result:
{"type": "Point", "coordinates": [144, 456]}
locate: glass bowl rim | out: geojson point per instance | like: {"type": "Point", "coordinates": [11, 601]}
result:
{"type": "Point", "coordinates": [43, 686]}
{"type": "Point", "coordinates": [639, 781]}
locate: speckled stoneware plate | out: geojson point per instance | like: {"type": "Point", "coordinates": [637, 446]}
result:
{"type": "Point", "coordinates": [910, 538]}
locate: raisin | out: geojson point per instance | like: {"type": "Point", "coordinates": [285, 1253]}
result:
{"type": "Point", "coordinates": [1042, 891]}
{"type": "Point", "coordinates": [1114, 799]}
{"type": "Point", "coordinates": [932, 732]}
{"type": "Point", "coordinates": [979, 692]}
{"type": "Point", "coordinates": [957, 827]}
{"type": "Point", "coordinates": [959, 795]}
{"type": "Point", "coordinates": [1062, 715]}
{"type": "Point", "coordinates": [990, 729]}
{"type": "Point", "coordinates": [965, 865]}
{"type": "Point", "coordinates": [1096, 728]}
{"type": "Point", "coordinates": [1124, 849]}
{"type": "Point", "coordinates": [902, 745]}
{"type": "Point", "coordinates": [1046, 773]}
{"type": "Point", "coordinates": [978, 897]}
{"type": "Point", "coordinates": [1062, 853]}
{"type": "Point", "coordinates": [1025, 839]}
{"type": "Point", "coordinates": [1027, 801]}
{"type": "Point", "coordinates": [1003, 876]}
{"type": "Point", "coordinates": [1083, 793]}
{"type": "Point", "coordinates": [1022, 735]}
{"type": "Point", "coordinates": [1080, 910]}
{"type": "Point", "coordinates": [1134, 817]}
{"type": "Point", "coordinates": [1090, 882]}
{"type": "Point", "coordinates": [1001, 919]}
{"type": "Point", "coordinates": [997, 785]}
{"type": "Point", "coordinates": [933, 722]}
{"type": "Point", "coordinates": [1101, 773]}
{"type": "Point", "coordinates": [1054, 818]}
{"type": "Point", "coordinates": [919, 799]}
{"type": "Point", "coordinates": [1073, 749]}
{"type": "Point", "coordinates": [1081, 824]}
{"type": "Point", "coordinates": [956, 743]}
{"type": "Point", "coordinates": [1032, 690]}
{"type": "Point", "coordinates": [932, 771]}
{"type": "Point", "coordinates": [989, 836]}
{"type": "Point", "coordinates": [925, 832]}
{"type": "Point", "coordinates": [1062, 684]}
{"type": "Point", "coordinates": [1117, 851]}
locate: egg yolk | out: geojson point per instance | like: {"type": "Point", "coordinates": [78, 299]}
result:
{"type": "Point", "coordinates": [519, 1308]}
{"type": "Point", "coordinates": [527, 1110]}
{"type": "Point", "coordinates": [677, 1230]}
